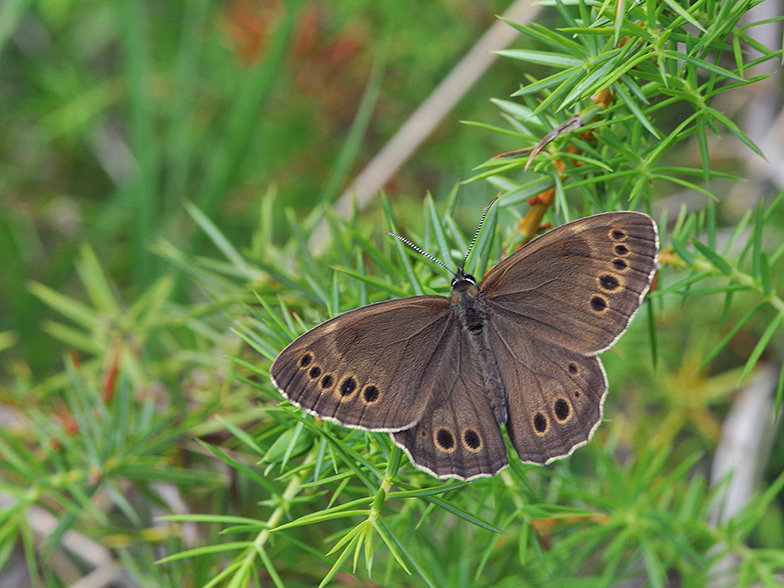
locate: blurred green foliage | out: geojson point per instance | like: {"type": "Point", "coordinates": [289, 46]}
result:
{"type": "Point", "coordinates": [113, 115]}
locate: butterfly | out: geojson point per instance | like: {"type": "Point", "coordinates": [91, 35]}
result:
{"type": "Point", "coordinates": [518, 349]}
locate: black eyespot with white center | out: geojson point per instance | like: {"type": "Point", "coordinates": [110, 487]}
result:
{"type": "Point", "coordinates": [609, 282]}
{"type": "Point", "coordinates": [348, 386]}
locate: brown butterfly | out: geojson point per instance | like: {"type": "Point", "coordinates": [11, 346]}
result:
{"type": "Point", "coordinates": [518, 349]}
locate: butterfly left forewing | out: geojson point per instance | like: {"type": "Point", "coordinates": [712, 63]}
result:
{"type": "Point", "coordinates": [457, 436]}
{"type": "Point", "coordinates": [371, 368]}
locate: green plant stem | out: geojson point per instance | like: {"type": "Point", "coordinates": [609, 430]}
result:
{"type": "Point", "coordinates": [743, 279]}
{"type": "Point", "coordinates": [288, 495]}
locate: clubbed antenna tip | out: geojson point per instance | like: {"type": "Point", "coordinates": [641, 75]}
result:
{"type": "Point", "coordinates": [478, 229]}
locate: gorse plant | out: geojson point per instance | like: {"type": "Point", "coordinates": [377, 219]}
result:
{"type": "Point", "coordinates": [611, 521]}
{"type": "Point", "coordinates": [616, 78]}
{"type": "Point", "coordinates": [287, 500]}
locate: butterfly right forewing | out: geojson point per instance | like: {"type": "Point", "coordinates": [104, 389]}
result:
{"type": "Point", "coordinates": [579, 285]}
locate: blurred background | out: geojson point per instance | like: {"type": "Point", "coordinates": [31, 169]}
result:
{"type": "Point", "coordinates": [114, 114]}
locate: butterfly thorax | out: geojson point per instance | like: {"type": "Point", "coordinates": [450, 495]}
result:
{"type": "Point", "coordinates": [467, 304]}
{"type": "Point", "coordinates": [470, 309]}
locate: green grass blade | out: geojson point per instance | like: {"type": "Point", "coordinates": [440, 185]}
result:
{"type": "Point", "coordinates": [760, 346]}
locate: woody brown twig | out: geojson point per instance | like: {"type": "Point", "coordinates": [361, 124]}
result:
{"type": "Point", "coordinates": [532, 223]}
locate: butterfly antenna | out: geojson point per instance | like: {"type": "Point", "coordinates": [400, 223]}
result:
{"type": "Point", "coordinates": [478, 230]}
{"type": "Point", "coordinates": [421, 251]}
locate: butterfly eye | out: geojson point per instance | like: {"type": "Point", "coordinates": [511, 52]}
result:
{"type": "Point", "coordinates": [572, 369]}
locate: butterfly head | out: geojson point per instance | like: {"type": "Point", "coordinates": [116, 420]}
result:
{"type": "Point", "coordinates": [462, 280]}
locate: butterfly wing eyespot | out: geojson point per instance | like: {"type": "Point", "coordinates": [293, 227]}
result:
{"type": "Point", "coordinates": [347, 388]}
{"type": "Point", "coordinates": [540, 424]}
{"type": "Point", "coordinates": [472, 440]}
{"type": "Point", "coordinates": [617, 234]}
{"type": "Point", "coordinates": [598, 304]}
{"type": "Point", "coordinates": [326, 383]}
{"type": "Point", "coordinates": [371, 394]}
{"type": "Point", "coordinates": [609, 281]}
{"type": "Point", "coordinates": [562, 409]}
{"type": "Point", "coordinates": [444, 439]}
{"type": "Point", "coordinates": [619, 264]}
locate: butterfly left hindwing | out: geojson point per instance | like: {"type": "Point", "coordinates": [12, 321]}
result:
{"type": "Point", "coordinates": [457, 435]}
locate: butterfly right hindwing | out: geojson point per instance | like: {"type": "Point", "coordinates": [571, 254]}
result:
{"type": "Point", "coordinates": [554, 396]}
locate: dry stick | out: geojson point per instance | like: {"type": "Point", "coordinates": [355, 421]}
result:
{"type": "Point", "coordinates": [425, 119]}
